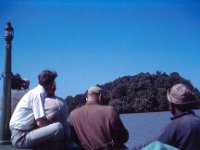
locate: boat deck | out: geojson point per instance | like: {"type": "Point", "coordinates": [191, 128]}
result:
{"type": "Point", "coordinates": [10, 147]}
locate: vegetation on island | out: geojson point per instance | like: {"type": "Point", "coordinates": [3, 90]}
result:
{"type": "Point", "coordinates": [143, 92]}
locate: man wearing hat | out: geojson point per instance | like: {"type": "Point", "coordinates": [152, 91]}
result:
{"type": "Point", "coordinates": [95, 126]}
{"type": "Point", "coordinates": [183, 131]}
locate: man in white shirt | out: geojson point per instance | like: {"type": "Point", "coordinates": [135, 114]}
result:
{"type": "Point", "coordinates": [29, 126]}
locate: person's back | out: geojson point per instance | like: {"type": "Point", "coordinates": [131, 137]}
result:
{"type": "Point", "coordinates": [19, 88]}
{"type": "Point", "coordinates": [16, 95]}
{"type": "Point", "coordinates": [190, 132]}
{"type": "Point", "coordinates": [56, 109]}
{"type": "Point", "coordinates": [22, 117]}
{"type": "Point", "coordinates": [92, 125]}
{"type": "Point", "coordinates": [183, 132]}
{"type": "Point", "coordinates": [97, 127]}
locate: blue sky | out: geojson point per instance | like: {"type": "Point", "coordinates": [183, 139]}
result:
{"type": "Point", "coordinates": [94, 42]}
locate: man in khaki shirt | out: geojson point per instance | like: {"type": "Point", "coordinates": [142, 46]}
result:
{"type": "Point", "coordinates": [95, 126]}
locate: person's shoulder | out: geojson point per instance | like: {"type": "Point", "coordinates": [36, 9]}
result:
{"type": "Point", "coordinates": [54, 100]}
{"type": "Point", "coordinates": [189, 120]}
{"type": "Point", "coordinates": [59, 98]}
{"type": "Point", "coordinates": [181, 122]}
{"type": "Point", "coordinates": [77, 110]}
{"type": "Point", "coordinates": [39, 89]}
{"type": "Point", "coordinates": [18, 92]}
{"type": "Point", "coordinates": [34, 92]}
{"type": "Point", "coordinates": [28, 94]}
{"type": "Point", "coordinates": [107, 108]}
{"type": "Point", "coordinates": [72, 113]}
{"type": "Point", "coordinates": [80, 108]}
{"type": "Point", "coordinates": [109, 111]}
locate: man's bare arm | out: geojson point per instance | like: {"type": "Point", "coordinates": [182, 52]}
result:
{"type": "Point", "coordinates": [42, 122]}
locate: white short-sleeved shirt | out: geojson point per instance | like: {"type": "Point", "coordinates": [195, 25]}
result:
{"type": "Point", "coordinates": [29, 109]}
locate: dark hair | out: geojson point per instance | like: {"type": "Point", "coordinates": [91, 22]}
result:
{"type": "Point", "coordinates": [47, 78]}
{"type": "Point", "coordinates": [51, 91]}
{"type": "Point", "coordinates": [16, 81]}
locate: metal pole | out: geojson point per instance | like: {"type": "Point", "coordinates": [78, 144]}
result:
{"type": "Point", "coordinates": [6, 98]}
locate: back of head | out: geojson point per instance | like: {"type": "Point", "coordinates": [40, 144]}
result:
{"type": "Point", "coordinates": [16, 81]}
{"type": "Point", "coordinates": [47, 78]}
{"type": "Point", "coordinates": [181, 97]}
{"type": "Point", "coordinates": [94, 94]}
{"type": "Point", "coordinates": [51, 91]}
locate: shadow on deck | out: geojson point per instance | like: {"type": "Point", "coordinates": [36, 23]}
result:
{"type": "Point", "coordinates": [10, 147]}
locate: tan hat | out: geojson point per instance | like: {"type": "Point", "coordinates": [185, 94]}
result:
{"type": "Point", "coordinates": [180, 94]}
{"type": "Point", "coordinates": [95, 89]}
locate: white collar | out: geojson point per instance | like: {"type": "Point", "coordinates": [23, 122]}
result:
{"type": "Point", "coordinates": [40, 87]}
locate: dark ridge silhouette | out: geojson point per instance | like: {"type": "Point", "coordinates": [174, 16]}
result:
{"type": "Point", "coordinates": [143, 92]}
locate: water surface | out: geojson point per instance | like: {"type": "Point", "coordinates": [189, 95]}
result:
{"type": "Point", "coordinates": [144, 126]}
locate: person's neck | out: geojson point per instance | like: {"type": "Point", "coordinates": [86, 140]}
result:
{"type": "Point", "coordinates": [16, 89]}
{"type": "Point", "coordinates": [51, 96]}
{"type": "Point", "coordinates": [92, 102]}
{"type": "Point", "coordinates": [178, 113]}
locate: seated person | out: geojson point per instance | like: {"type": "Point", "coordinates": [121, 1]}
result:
{"type": "Point", "coordinates": [183, 132]}
{"type": "Point", "coordinates": [94, 126]}
{"type": "Point", "coordinates": [29, 126]}
{"type": "Point", "coordinates": [19, 88]}
{"type": "Point", "coordinates": [56, 109]}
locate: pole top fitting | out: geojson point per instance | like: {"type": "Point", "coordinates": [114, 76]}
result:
{"type": "Point", "coordinates": [8, 32]}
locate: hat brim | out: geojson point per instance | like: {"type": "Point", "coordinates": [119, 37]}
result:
{"type": "Point", "coordinates": [173, 100]}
